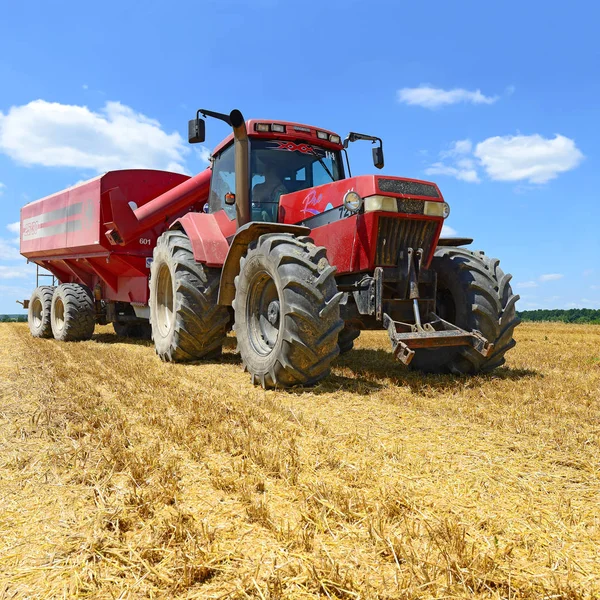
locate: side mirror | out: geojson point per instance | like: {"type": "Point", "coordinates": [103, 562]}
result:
{"type": "Point", "coordinates": [196, 131]}
{"type": "Point", "coordinates": [378, 157]}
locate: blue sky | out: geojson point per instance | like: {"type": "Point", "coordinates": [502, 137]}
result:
{"type": "Point", "coordinates": [496, 102]}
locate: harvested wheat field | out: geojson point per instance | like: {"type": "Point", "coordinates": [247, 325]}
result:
{"type": "Point", "coordinates": [123, 477]}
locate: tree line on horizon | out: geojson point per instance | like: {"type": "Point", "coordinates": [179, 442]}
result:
{"type": "Point", "coordinates": [571, 315]}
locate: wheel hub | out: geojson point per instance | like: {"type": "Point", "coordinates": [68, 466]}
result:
{"type": "Point", "coordinates": [263, 313]}
{"type": "Point", "coordinates": [164, 301]}
{"type": "Point", "coordinates": [273, 313]}
{"type": "Point", "coordinates": [36, 311]}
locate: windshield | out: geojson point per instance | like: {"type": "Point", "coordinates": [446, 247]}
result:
{"type": "Point", "coordinates": [276, 168]}
{"type": "Point", "coordinates": [281, 167]}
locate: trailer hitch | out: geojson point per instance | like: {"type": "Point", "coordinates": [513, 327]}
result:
{"type": "Point", "coordinates": [406, 338]}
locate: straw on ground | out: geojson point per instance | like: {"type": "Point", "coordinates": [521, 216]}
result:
{"type": "Point", "coordinates": [124, 477]}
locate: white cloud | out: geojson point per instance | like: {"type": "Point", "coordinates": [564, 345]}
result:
{"type": "Point", "coordinates": [530, 158]}
{"type": "Point", "coordinates": [463, 174]}
{"type": "Point", "coordinates": [14, 272]}
{"type": "Point", "coordinates": [448, 231]}
{"type": "Point", "coordinates": [14, 227]}
{"type": "Point", "coordinates": [458, 148]}
{"type": "Point", "coordinates": [430, 97]}
{"type": "Point", "coordinates": [462, 167]}
{"type": "Point", "coordinates": [8, 251]}
{"type": "Point", "coordinates": [62, 135]}
{"type": "Point", "coordinates": [588, 272]}
{"type": "Point", "coordinates": [551, 277]}
{"type": "Point", "coordinates": [526, 284]}
{"type": "Point", "coordinates": [541, 279]}
{"type": "Point", "coordinates": [590, 303]}
{"type": "Point", "coordinates": [203, 154]}
{"type": "Point", "coordinates": [2, 187]}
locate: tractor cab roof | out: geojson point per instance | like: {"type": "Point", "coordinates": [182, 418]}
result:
{"type": "Point", "coordinates": [286, 130]}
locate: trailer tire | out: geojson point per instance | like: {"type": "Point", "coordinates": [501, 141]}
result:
{"type": "Point", "coordinates": [73, 314]}
{"type": "Point", "coordinates": [40, 308]}
{"type": "Point", "coordinates": [474, 294]}
{"type": "Point", "coordinates": [346, 338]}
{"type": "Point", "coordinates": [133, 330]}
{"type": "Point", "coordinates": [287, 313]}
{"type": "Point", "coordinates": [187, 323]}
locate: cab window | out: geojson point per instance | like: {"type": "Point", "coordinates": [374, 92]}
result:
{"type": "Point", "coordinates": [222, 182]}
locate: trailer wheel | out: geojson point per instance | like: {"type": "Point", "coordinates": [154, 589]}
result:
{"type": "Point", "coordinates": [346, 338]}
{"type": "Point", "coordinates": [187, 323]}
{"type": "Point", "coordinates": [473, 293]}
{"type": "Point", "coordinates": [134, 330]}
{"type": "Point", "coordinates": [73, 314]}
{"type": "Point", "coordinates": [287, 314]}
{"type": "Point", "coordinates": [40, 307]}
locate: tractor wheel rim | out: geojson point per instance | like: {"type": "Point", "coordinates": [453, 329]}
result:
{"type": "Point", "coordinates": [36, 312]}
{"type": "Point", "coordinates": [164, 301]}
{"type": "Point", "coordinates": [59, 314]}
{"type": "Point", "coordinates": [263, 314]}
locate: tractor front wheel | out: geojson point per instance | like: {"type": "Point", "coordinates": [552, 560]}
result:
{"type": "Point", "coordinates": [287, 314]}
{"type": "Point", "coordinates": [187, 323]}
{"type": "Point", "coordinates": [473, 293]}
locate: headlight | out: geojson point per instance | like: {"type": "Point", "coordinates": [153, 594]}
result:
{"type": "Point", "coordinates": [436, 209]}
{"type": "Point", "coordinates": [384, 203]}
{"type": "Point", "coordinates": [352, 201]}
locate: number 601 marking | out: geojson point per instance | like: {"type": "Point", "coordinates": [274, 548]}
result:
{"type": "Point", "coordinates": [145, 241]}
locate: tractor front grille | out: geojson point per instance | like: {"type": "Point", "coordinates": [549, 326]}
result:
{"type": "Point", "coordinates": [407, 187]}
{"type": "Point", "coordinates": [396, 235]}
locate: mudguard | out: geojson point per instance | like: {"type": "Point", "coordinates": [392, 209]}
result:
{"type": "Point", "coordinates": [244, 236]}
{"type": "Point", "coordinates": [208, 234]}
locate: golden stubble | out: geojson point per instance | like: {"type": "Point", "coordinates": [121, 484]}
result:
{"type": "Point", "coordinates": [125, 477]}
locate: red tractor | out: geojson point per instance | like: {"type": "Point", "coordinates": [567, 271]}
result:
{"type": "Point", "coordinates": [278, 241]}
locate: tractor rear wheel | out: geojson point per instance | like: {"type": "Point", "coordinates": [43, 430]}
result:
{"type": "Point", "coordinates": [287, 314]}
{"type": "Point", "coordinates": [40, 307]}
{"type": "Point", "coordinates": [187, 323]}
{"type": "Point", "coordinates": [134, 330]}
{"type": "Point", "coordinates": [73, 313]}
{"type": "Point", "coordinates": [346, 338]}
{"type": "Point", "coordinates": [472, 293]}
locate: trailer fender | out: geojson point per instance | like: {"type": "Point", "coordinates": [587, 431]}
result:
{"type": "Point", "coordinates": [208, 234]}
{"type": "Point", "coordinates": [239, 244]}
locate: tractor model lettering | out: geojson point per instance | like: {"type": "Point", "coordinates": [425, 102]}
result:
{"type": "Point", "coordinates": [277, 241]}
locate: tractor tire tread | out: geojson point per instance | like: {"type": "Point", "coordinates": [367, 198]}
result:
{"type": "Point", "coordinates": [488, 294]}
{"type": "Point", "coordinates": [310, 311]}
{"type": "Point", "coordinates": [200, 323]}
{"type": "Point", "coordinates": [79, 312]}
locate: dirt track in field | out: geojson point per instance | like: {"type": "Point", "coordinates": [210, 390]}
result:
{"type": "Point", "coordinates": [123, 477]}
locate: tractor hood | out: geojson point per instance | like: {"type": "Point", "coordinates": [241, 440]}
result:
{"type": "Point", "coordinates": [305, 205]}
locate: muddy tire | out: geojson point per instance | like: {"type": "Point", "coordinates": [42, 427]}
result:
{"type": "Point", "coordinates": [73, 313]}
{"type": "Point", "coordinates": [40, 308]}
{"type": "Point", "coordinates": [187, 323]}
{"type": "Point", "coordinates": [136, 331]}
{"type": "Point", "coordinates": [287, 314]}
{"type": "Point", "coordinates": [346, 338]}
{"type": "Point", "coordinates": [473, 293]}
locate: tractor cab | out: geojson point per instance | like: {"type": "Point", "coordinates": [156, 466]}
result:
{"type": "Point", "coordinates": [284, 158]}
